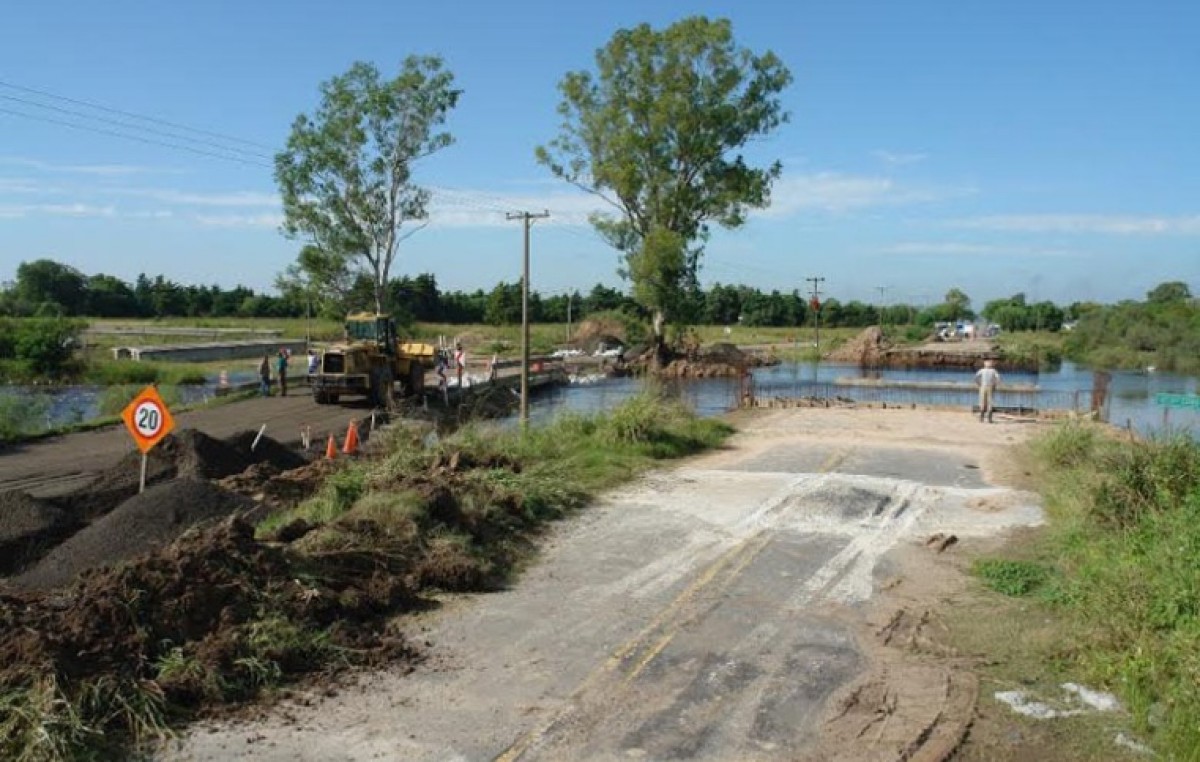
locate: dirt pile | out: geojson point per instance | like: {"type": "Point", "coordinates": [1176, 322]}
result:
{"type": "Point", "coordinates": [27, 527]}
{"type": "Point", "coordinates": [268, 450]}
{"type": "Point", "coordinates": [140, 525]}
{"type": "Point", "coordinates": [219, 600]}
{"type": "Point", "coordinates": [594, 332]}
{"type": "Point", "coordinates": [185, 453]}
{"type": "Point", "coordinates": [274, 489]}
{"type": "Point", "coordinates": [866, 349]}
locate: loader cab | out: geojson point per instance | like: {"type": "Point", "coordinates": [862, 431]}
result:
{"type": "Point", "coordinates": [376, 329]}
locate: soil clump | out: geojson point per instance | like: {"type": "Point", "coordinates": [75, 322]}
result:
{"type": "Point", "coordinates": [139, 525]}
{"type": "Point", "coordinates": [867, 349]}
{"type": "Point", "coordinates": [28, 526]}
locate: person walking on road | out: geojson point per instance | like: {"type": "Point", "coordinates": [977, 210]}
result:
{"type": "Point", "coordinates": [987, 379]}
{"type": "Point", "coordinates": [281, 365]}
{"type": "Point", "coordinates": [264, 374]}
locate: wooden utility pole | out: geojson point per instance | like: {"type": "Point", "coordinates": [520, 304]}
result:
{"type": "Point", "coordinates": [882, 298]}
{"type": "Point", "coordinates": [527, 218]}
{"type": "Point", "coordinates": [815, 304]}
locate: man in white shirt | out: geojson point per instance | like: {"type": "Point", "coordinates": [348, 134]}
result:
{"type": "Point", "coordinates": [987, 379]}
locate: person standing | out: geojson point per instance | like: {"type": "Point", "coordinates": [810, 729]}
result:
{"type": "Point", "coordinates": [460, 362]}
{"type": "Point", "coordinates": [264, 374]}
{"type": "Point", "coordinates": [987, 379]}
{"type": "Point", "coordinates": [281, 366]}
{"type": "Point", "coordinates": [314, 362]}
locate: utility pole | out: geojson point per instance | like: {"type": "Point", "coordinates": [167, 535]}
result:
{"type": "Point", "coordinates": [569, 296]}
{"type": "Point", "coordinates": [815, 303]}
{"type": "Point", "coordinates": [882, 299]}
{"type": "Point", "coordinates": [527, 218]}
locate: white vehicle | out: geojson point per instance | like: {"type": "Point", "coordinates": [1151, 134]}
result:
{"type": "Point", "coordinates": [609, 352]}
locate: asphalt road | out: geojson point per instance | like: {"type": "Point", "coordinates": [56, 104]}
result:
{"type": "Point", "coordinates": [708, 612]}
{"type": "Point", "coordinates": [64, 463]}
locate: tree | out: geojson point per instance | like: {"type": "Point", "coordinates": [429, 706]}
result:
{"type": "Point", "coordinates": [346, 174]}
{"type": "Point", "coordinates": [655, 132]}
{"type": "Point", "coordinates": [958, 304]}
{"type": "Point", "coordinates": [45, 280]}
{"type": "Point", "coordinates": [1169, 293]}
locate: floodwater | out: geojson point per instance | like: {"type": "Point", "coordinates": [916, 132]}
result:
{"type": "Point", "coordinates": [1131, 401]}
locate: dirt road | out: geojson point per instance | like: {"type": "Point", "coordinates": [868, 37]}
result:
{"type": "Point", "coordinates": [760, 603]}
{"type": "Point", "coordinates": [50, 466]}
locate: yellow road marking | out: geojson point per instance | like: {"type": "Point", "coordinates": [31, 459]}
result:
{"type": "Point", "coordinates": [736, 559]}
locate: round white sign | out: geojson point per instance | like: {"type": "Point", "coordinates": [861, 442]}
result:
{"type": "Point", "coordinates": [148, 419]}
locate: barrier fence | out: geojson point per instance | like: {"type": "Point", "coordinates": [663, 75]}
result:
{"type": "Point", "coordinates": [1026, 400]}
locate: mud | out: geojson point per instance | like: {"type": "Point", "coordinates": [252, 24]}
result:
{"type": "Point", "coordinates": [140, 525]}
{"type": "Point", "coordinates": [199, 595]}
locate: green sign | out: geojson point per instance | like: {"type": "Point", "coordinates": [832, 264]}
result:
{"type": "Point", "coordinates": [1190, 401]}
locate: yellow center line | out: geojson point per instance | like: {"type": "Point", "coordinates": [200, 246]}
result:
{"type": "Point", "coordinates": [736, 559]}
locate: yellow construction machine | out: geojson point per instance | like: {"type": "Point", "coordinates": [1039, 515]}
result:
{"type": "Point", "coordinates": [369, 362]}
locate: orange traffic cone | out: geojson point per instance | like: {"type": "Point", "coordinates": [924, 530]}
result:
{"type": "Point", "coordinates": [330, 448]}
{"type": "Point", "coordinates": [351, 445]}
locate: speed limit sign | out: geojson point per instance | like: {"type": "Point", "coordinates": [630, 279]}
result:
{"type": "Point", "coordinates": [147, 419]}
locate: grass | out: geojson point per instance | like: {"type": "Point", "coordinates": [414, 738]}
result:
{"type": "Point", "coordinates": [1035, 349]}
{"type": "Point", "coordinates": [104, 372]}
{"type": "Point", "coordinates": [1013, 578]}
{"type": "Point", "coordinates": [1120, 568]}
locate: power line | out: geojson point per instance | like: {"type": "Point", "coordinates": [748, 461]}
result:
{"type": "Point", "coordinates": [131, 114]}
{"type": "Point", "coordinates": [136, 138]}
{"type": "Point", "coordinates": [129, 126]}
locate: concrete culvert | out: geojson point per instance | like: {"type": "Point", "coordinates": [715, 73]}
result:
{"type": "Point", "coordinates": [140, 525]}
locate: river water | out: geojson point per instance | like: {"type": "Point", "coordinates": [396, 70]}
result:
{"type": "Point", "coordinates": [1131, 394]}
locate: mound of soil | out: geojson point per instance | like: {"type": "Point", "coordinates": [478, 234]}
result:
{"type": "Point", "coordinates": [866, 349]}
{"type": "Point", "coordinates": [28, 527]}
{"type": "Point", "coordinates": [593, 332]}
{"type": "Point", "coordinates": [268, 450]}
{"type": "Point", "coordinates": [184, 453]}
{"type": "Point", "coordinates": [274, 490]}
{"type": "Point", "coordinates": [204, 593]}
{"type": "Point", "coordinates": [140, 525]}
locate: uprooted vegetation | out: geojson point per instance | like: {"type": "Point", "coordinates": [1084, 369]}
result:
{"type": "Point", "coordinates": [228, 611]}
{"type": "Point", "coordinates": [1119, 565]}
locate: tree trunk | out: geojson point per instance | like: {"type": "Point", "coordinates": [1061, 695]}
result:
{"type": "Point", "coordinates": [658, 327]}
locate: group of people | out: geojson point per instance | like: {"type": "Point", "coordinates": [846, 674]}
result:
{"type": "Point", "coordinates": [281, 370]}
{"type": "Point", "coordinates": [443, 365]}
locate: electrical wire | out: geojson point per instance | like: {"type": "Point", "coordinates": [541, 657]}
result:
{"type": "Point", "coordinates": [131, 114]}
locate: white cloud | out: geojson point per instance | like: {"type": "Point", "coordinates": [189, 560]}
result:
{"type": "Point", "coordinates": [899, 159]}
{"type": "Point", "coordinates": [192, 198]}
{"type": "Point", "coordinates": [462, 208]}
{"type": "Point", "coordinates": [1082, 223]}
{"type": "Point", "coordinates": [958, 248]}
{"type": "Point", "coordinates": [13, 211]}
{"type": "Point", "coordinates": [835, 192]}
{"type": "Point", "coordinates": [266, 220]}
{"type": "Point", "coordinates": [104, 170]}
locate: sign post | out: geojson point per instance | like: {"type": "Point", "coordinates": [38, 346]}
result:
{"type": "Point", "coordinates": [148, 421]}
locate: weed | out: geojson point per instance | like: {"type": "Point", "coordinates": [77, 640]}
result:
{"type": "Point", "coordinates": [1015, 578]}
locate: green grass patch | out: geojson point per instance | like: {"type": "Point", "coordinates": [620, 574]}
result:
{"type": "Point", "coordinates": [1121, 567]}
{"type": "Point", "coordinates": [118, 372]}
{"type": "Point", "coordinates": [1014, 578]}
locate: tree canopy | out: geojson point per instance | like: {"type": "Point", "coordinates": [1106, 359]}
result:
{"type": "Point", "coordinates": [656, 131]}
{"type": "Point", "coordinates": [346, 175]}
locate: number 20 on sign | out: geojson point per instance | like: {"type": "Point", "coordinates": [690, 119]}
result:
{"type": "Point", "coordinates": [148, 421]}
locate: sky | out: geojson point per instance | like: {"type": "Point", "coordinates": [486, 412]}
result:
{"type": "Point", "coordinates": [1027, 146]}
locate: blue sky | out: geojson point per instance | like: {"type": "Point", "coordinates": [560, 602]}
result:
{"type": "Point", "coordinates": [1044, 147]}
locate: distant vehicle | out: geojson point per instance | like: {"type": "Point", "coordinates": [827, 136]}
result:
{"type": "Point", "coordinates": [609, 352]}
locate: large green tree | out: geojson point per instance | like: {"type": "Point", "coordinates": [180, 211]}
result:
{"type": "Point", "coordinates": [657, 131]}
{"type": "Point", "coordinates": [346, 175]}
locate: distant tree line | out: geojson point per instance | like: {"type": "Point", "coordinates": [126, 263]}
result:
{"type": "Point", "coordinates": [1162, 331]}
